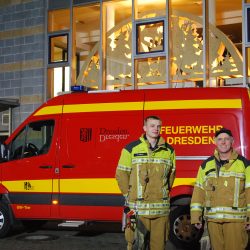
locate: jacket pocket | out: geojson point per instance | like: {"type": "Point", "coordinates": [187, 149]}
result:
{"type": "Point", "coordinates": [210, 186]}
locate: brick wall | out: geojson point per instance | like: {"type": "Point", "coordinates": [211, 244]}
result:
{"type": "Point", "coordinates": [22, 49]}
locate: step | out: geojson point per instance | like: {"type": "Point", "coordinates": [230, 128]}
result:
{"type": "Point", "coordinates": [72, 223]}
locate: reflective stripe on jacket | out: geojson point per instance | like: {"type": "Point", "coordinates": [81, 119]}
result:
{"type": "Point", "coordinates": [145, 176]}
{"type": "Point", "coordinates": [222, 192]}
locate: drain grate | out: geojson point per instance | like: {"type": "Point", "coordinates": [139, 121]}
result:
{"type": "Point", "coordinates": [37, 237]}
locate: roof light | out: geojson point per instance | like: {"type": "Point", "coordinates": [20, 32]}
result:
{"type": "Point", "coordinates": [77, 88]}
{"type": "Point", "coordinates": [80, 88]}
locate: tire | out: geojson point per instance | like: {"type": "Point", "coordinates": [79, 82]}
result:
{"type": "Point", "coordinates": [182, 234]}
{"type": "Point", "coordinates": [5, 221]}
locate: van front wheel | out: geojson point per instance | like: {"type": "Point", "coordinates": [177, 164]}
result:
{"type": "Point", "coordinates": [5, 222]}
{"type": "Point", "coordinates": [182, 233]}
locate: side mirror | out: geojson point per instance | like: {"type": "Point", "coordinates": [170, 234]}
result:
{"type": "Point", "coordinates": [3, 153]}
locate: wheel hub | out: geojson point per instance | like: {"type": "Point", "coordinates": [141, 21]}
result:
{"type": "Point", "coordinates": [1, 220]}
{"type": "Point", "coordinates": [184, 230]}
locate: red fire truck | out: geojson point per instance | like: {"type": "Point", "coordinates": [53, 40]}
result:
{"type": "Point", "coordinates": [61, 161]}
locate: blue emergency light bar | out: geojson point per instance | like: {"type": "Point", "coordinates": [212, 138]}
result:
{"type": "Point", "coordinates": [81, 88]}
{"type": "Point", "coordinates": [78, 88]}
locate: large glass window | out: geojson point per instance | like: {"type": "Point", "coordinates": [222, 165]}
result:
{"type": "Point", "coordinates": [117, 43]}
{"type": "Point", "coordinates": [35, 139]}
{"type": "Point", "coordinates": [58, 52]}
{"type": "Point", "coordinates": [225, 43]}
{"type": "Point", "coordinates": [149, 9]}
{"type": "Point", "coordinates": [109, 47]}
{"type": "Point", "coordinates": [58, 20]}
{"type": "Point", "coordinates": [86, 46]}
{"type": "Point", "coordinates": [186, 41]}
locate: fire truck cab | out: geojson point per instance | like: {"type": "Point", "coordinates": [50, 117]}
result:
{"type": "Point", "coordinates": [60, 163]}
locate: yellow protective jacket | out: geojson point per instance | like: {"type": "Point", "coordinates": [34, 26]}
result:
{"type": "Point", "coordinates": [145, 176]}
{"type": "Point", "coordinates": [222, 192]}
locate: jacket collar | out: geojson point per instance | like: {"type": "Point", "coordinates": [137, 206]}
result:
{"type": "Point", "coordinates": [160, 142]}
{"type": "Point", "coordinates": [233, 156]}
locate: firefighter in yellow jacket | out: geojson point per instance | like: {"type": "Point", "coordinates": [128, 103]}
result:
{"type": "Point", "coordinates": [145, 175]}
{"type": "Point", "coordinates": [222, 192]}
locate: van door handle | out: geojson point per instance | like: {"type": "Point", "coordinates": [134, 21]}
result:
{"type": "Point", "coordinates": [45, 167]}
{"type": "Point", "coordinates": [68, 166]}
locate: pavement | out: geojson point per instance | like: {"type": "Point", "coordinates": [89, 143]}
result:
{"type": "Point", "coordinates": [98, 236]}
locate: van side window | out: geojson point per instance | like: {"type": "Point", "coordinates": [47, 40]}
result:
{"type": "Point", "coordinates": [35, 139]}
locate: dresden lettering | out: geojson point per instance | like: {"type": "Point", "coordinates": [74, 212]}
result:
{"type": "Point", "coordinates": [190, 135]}
{"type": "Point", "coordinates": [117, 134]}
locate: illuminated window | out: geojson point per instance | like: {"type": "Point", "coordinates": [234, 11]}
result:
{"type": "Point", "coordinates": [58, 48]}
{"type": "Point", "coordinates": [86, 37]}
{"type": "Point", "coordinates": [58, 81]}
{"type": "Point", "coordinates": [58, 20]}
{"type": "Point", "coordinates": [150, 37]}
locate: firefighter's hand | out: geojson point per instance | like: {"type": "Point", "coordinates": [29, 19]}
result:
{"type": "Point", "coordinates": [247, 227]}
{"type": "Point", "coordinates": [131, 216]}
{"type": "Point", "coordinates": [198, 225]}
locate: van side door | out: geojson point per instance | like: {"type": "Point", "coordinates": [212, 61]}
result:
{"type": "Point", "coordinates": [28, 174]}
{"type": "Point", "coordinates": [95, 128]}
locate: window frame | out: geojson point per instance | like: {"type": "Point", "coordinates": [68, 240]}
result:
{"type": "Point", "coordinates": [144, 55]}
{"type": "Point", "coordinates": [138, 24]}
{"type": "Point", "coordinates": [50, 37]}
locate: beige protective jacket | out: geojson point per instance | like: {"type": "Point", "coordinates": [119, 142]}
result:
{"type": "Point", "coordinates": [145, 176]}
{"type": "Point", "coordinates": [222, 192]}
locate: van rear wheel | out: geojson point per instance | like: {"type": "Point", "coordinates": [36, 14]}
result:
{"type": "Point", "coordinates": [182, 233]}
{"type": "Point", "coordinates": [5, 222]}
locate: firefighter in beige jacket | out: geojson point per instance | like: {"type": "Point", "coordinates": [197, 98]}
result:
{"type": "Point", "coordinates": [145, 175]}
{"type": "Point", "coordinates": [222, 192]}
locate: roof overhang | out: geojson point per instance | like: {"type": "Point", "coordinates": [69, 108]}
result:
{"type": "Point", "coordinates": [6, 103]}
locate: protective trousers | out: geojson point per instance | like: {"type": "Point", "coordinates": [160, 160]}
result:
{"type": "Point", "coordinates": [158, 232]}
{"type": "Point", "coordinates": [228, 235]}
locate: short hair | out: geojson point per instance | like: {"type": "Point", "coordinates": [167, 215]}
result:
{"type": "Point", "coordinates": [151, 117]}
{"type": "Point", "coordinates": [223, 130]}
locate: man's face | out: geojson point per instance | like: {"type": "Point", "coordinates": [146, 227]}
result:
{"type": "Point", "coordinates": [152, 128]}
{"type": "Point", "coordinates": [224, 143]}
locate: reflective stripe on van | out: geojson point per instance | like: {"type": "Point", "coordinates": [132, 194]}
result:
{"type": "Point", "coordinates": [151, 105]}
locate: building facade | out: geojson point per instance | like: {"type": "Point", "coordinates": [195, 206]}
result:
{"type": "Point", "coordinates": [47, 46]}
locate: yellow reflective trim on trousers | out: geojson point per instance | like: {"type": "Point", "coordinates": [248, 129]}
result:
{"type": "Point", "coordinates": [88, 185]}
{"type": "Point", "coordinates": [133, 106]}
